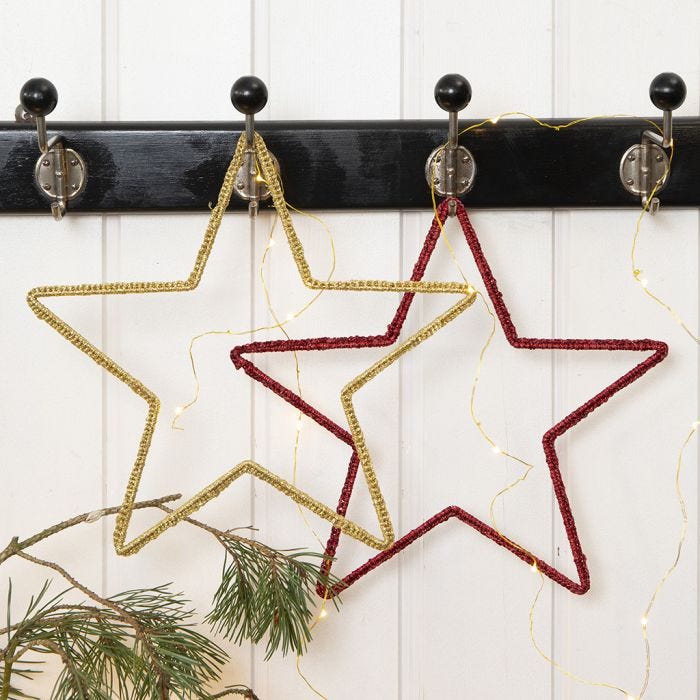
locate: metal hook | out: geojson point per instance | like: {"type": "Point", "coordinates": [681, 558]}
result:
{"type": "Point", "coordinates": [60, 172]}
{"type": "Point", "coordinates": [451, 169]}
{"type": "Point", "coordinates": [249, 96]}
{"type": "Point", "coordinates": [644, 166]}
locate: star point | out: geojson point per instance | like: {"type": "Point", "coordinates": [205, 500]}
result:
{"type": "Point", "coordinates": [355, 439]}
{"type": "Point", "coordinates": [36, 298]}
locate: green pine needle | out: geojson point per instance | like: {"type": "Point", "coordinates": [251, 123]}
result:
{"type": "Point", "coordinates": [151, 652]}
{"type": "Point", "coordinates": [141, 644]}
{"type": "Point", "coordinates": [267, 592]}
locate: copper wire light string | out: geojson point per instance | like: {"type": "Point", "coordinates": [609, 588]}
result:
{"type": "Point", "coordinates": [636, 273]}
{"type": "Point", "coordinates": [297, 371]}
{"type": "Point", "coordinates": [278, 324]}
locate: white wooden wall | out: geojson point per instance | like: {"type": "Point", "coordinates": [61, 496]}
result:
{"type": "Point", "coordinates": [449, 617]}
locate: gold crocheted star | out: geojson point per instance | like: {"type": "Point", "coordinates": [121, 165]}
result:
{"type": "Point", "coordinates": [328, 513]}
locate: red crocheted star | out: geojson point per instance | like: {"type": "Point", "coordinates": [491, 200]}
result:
{"type": "Point", "coordinates": [659, 351]}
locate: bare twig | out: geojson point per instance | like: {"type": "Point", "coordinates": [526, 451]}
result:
{"type": "Point", "coordinates": [223, 535]}
{"type": "Point", "coordinates": [15, 545]}
{"type": "Point", "coordinates": [129, 619]}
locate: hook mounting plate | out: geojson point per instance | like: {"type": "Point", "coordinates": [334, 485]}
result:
{"type": "Point", "coordinates": [642, 166]}
{"type": "Point", "coordinates": [49, 171]}
{"type": "Point", "coordinates": [436, 172]}
{"type": "Point", "coordinates": [252, 188]}
{"type": "Point", "coordinates": [60, 175]}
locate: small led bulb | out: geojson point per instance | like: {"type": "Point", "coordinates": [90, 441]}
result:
{"type": "Point", "coordinates": [300, 423]}
{"type": "Point", "coordinates": [695, 424]}
{"type": "Point", "coordinates": [644, 282]}
{"type": "Point", "coordinates": [179, 410]}
{"type": "Point", "coordinates": [496, 450]}
{"type": "Point", "coordinates": [644, 621]}
{"type": "Point", "coordinates": [323, 613]}
{"type": "Point", "coordinates": [291, 315]}
{"type": "Point", "coordinates": [494, 120]}
{"type": "Point", "coordinates": [270, 243]}
{"type": "Point", "coordinates": [534, 568]}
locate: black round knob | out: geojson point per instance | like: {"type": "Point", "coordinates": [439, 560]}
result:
{"type": "Point", "coordinates": [453, 92]}
{"type": "Point", "coordinates": [38, 96]}
{"type": "Point", "coordinates": [249, 94]}
{"type": "Point", "coordinates": [667, 91]}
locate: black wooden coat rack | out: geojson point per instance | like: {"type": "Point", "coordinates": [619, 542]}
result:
{"type": "Point", "coordinates": [178, 166]}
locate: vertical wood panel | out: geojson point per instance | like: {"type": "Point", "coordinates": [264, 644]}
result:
{"type": "Point", "coordinates": [622, 460]}
{"type": "Point", "coordinates": [302, 52]}
{"type": "Point", "coordinates": [50, 411]}
{"type": "Point", "coordinates": [465, 600]}
{"type": "Point", "coordinates": [179, 64]}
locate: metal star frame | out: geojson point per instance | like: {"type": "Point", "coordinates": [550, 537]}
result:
{"type": "Point", "coordinates": [658, 348]}
{"type": "Point", "coordinates": [121, 545]}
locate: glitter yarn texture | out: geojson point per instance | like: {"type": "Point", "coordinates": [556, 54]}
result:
{"type": "Point", "coordinates": [658, 349]}
{"type": "Point", "coordinates": [121, 545]}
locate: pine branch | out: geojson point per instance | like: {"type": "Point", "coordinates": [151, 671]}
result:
{"type": "Point", "coordinates": [141, 632]}
{"type": "Point", "coordinates": [104, 656]}
{"type": "Point", "coordinates": [264, 592]}
{"type": "Point", "coordinates": [139, 643]}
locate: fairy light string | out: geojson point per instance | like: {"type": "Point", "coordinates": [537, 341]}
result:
{"type": "Point", "coordinates": [581, 412]}
{"type": "Point", "coordinates": [482, 356]}
{"type": "Point", "coordinates": [644, 621]}
{"type": "Point", "coordinates": [297, 373]}
{"type": "Point", "coordinates": [321, 614]}
{"type": "Point", "coordinates": [643, 282]}
{"type": "Point", "coordinates": [472, 400]}
{"type": "Point", "coordinates": [297, 367]}
{"type": "Point", "coordinates": [679, 550]}
{"type": "Point", "coordinates": [278, 324]}
{"type": "Point", "coordinates": [638, 274]}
